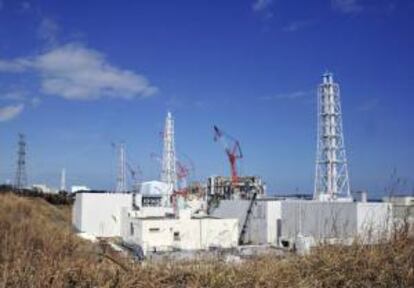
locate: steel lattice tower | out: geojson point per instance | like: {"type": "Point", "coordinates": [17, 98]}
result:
{"type": "Point", "coordinates": [331, 179]}
{"type": "Point", "coordinates": [121, 184]}
{"type": "Point", "coordinates": [168, 170]}
{"type": "Point", "coordinates": [21, 176]}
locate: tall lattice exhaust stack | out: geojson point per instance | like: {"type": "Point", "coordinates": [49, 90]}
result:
{"type": "Point", "coordinates": [121, 184]}
{"type": "Point", "coordinates": [331, 179]}
{"type": "Point", "coordinates": [21, 176]}
{"type": "Point", "coordinates": [63, 180]}
{"type": "Point", "coordinates": [168, 170]}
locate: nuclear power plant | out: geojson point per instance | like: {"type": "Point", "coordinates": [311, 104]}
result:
{"type": "Point", "coordinates": [231, 211]}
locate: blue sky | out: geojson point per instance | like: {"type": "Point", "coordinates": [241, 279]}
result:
{"type": "Point", "coordinates": [249, 66]}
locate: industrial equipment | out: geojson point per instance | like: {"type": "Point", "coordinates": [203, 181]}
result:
{"type": "Point", "coordinates": [232, 149]}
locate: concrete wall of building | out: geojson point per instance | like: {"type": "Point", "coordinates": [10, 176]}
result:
{"type": "Point", "coordinates": [320, 220]}
{"type": "Point", "coordinates": [257, 232]}
{"type": "Point", "coordinates": [157, 234]}
{"type": "Point", "coordinates": [374, 221]}
{"type": "Point", "coordinates": [274, 215]}
{"type": "Point", "coordinates": [99, 214]}
{"type": "Point", "coordinates": [400, 200]}
{"type": "Point", "coordinates": [262, 227]}
{"type": "Point", "coordinates": [223, 233]}
{"type": "Point", "coordinates": [77, 212]}
{"type": "Point", "coordinates": [166, 234]}
{"type": "Point", "coordinates": [232, 209]}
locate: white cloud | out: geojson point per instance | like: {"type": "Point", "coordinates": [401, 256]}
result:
{"type": "Point", "coordinates": [75, 72]}
{"type": "Point", "coordinates": [296, 25]}
{"type": "Point", "coordinates": [10, 112]}
{"type": "Point", "coordinates": [13, 95]}
{"type": "Point", "coordinates": [25, 5]}
{"type": "Point", "coordinates": [15, 65]}
{"type": "Point", "coordinates": [368, 105]}
{"type": "Point", "coordinates": [288, 96]}
{"type": "Point", "coordinates": [35, 101]}
{"type": "Point", "coordinates": [48, 30]}
{"type": "Point", "coordinates": [347, 6]}
{"type": "Point", "coordinates": [261, 5]}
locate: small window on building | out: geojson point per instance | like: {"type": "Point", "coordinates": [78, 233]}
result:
{"type": "Point", "coordinates": [155, 229]}
{"type": "Point", "coordinates": [132, 229]}
{"type": "Point", "coordinates": [177, 236]}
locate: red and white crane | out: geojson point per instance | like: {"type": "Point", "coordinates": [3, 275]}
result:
{"type": "Point", "coordinates": [232, 149]}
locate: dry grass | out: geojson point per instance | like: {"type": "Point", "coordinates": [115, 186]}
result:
{"type": "Point", "coordinates": [38, 249]}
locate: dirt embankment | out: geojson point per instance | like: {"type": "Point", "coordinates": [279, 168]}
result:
{"type": "Point", "coordinates": [39, 249]}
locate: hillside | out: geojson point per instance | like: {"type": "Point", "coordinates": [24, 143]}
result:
{"type": "Point", "coordinates": [39, 249]}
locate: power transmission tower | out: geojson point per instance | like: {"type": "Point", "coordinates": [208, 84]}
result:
{"type": "Point", "coordinates": [21, 176]}
{"type": "Point", "coordinates": [121, 185]}
{"type": "Point", "coordinates": [168, 169]}
{"type": "Point", "coordinates": [331, 175]}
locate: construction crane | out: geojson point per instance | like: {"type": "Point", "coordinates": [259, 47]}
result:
{"type": "Point", "coordinates": [181, 191]}
{"type": "Point", "coordinates": [182, 171]}
{"type": "Point", "coordinates": [232, 149]}
{"type": "Point", "coordinates": [136, 174]}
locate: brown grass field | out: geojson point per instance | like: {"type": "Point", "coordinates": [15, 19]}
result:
{"type": "Point", "coordinates": [39, 249]}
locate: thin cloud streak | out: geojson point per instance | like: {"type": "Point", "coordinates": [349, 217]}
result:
{"type": "Point", "coordinates": [260, 5]}
{"type": "Point", "coordinates": [296, 25]}
{"type": "Point", "coordinates": [297, 95]}
{"type": "Point", "coordinates": [347, 6]}
{"type": "Point", "coordinates": [369, 105]}
{"type": "Point", "coordinates": [263, 7]}
{"type": "Point", "coordinates": [10, 112]}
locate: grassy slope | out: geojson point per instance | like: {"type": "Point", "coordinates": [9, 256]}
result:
{"type": "Point", "coordinates": [38, 249]}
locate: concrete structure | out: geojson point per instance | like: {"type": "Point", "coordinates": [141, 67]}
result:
{"type": "Point", "coordinates": [78, 188]}
{"type": "Point", "coordinates": [403, 208]}
{"type": "Point", "coordinates": [284, 222]}
{"type": "Point", "coordinates": [261, 230]}
{"type": "Point", "coordinates": [400, 200]}
{"type": "Point", "coordinates": [156, 234]}
{"type": "Point", "coordinates": [156, 193]}
{"type": "Point", "coordinates": [222, 187]}
{"type": "Point", "coordinates": [155, 188]}
{"type": "Point", "coordinates": [99, 214]}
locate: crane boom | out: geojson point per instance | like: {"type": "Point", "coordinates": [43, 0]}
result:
{"type": "Point", "coordinates": [232, 149]}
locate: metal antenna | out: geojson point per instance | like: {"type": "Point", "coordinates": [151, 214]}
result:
{"type": "Point", "coordinates": [63, 180]}
{"type": "Point", "coordinates": [168, 169]}
{"type": "Point", "coordinates": [21, 177]}
{"type": "Point", "coordinates": [331, 173]}
{"type": "Point", "coordinates": [121, 185]}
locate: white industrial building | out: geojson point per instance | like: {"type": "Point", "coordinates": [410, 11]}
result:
{"type": "Point", "coordinates": [147, 220]}
{"type": "Point", "coordinates": [282, 222]}
{"type": "Point", "coordinates": [156, 234]}
{"type": "Point", "coordinates": [99, 214]}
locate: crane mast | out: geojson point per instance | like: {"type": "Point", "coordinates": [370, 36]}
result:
{"type": "Point", "coordinates": [231, 148]}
